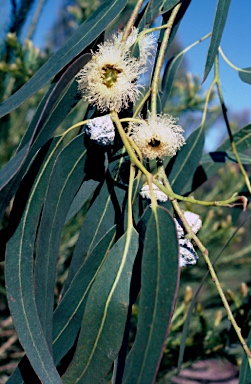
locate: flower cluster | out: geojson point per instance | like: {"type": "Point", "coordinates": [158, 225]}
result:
{"type": "Point", "coordinates": [101, 130]}
{"type": "Point", "coordinates": [187, 254]}
{"type": "Point", "coordinates": [158, 136]}
{"type": "Point", "coordinates": [159, 195]}
{"type": "Point", "coordinates": [109, 80]}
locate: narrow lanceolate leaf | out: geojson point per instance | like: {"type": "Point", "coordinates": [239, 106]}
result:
{"type": "Point", "coordinates": [83, 36]}
{"type": "Point", "coordinates": [83, 195]}
{"type": "Point", "coordinates": [68, 315]}
{"type": "Point", "coordinates": [218, 27]}
{"type": "Point", "coordinates": [159, 283]}
{"type": "Point", "coordinates": [158, 7]}
{"type": "Point", "coordinates": [105, 315]}
{"type": "Point", "coordinates": [168, 4]}
{"type": "Point", "coordinates": [104, 212]}
{"type": "Point", "coordinates": [245, 75]}
{"type": "Point", "coordinates": [242, 140]}
{"type": "Point", "coordinates": [52, 102]}
{"type": "Point", "coordinates": [66, 178]}
{"type": "Point", "coordinates": [186, 162]}
{"type": "Point", "coordinates": [184, 6]}
{"type": "Point", "coordinates": [169, 75]}
{"type": "Point", "coordinates": [20, 281]}
{"type": "Point", "coordinates": [245, 371]}
{"type": "Point", "coordinates": [99, 219]}
{"type": "Point", "coordinates": [224, 157]}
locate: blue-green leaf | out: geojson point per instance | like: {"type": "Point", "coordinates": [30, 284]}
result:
{"type": "Point", "coordinates": [68, 315]}
{"type": "Point", "coordinates": [224, 157]}
{"type": "Point", "coordinates": [66, 178]}
{"type": "Point", "coordinates": [168, 78]}
{"type": "Point", "coordinates": [159, 284]}
{"type": "Point", "coordinates": [56, 104]}
{"type": "Point", "coordinates": [242, 140]}
{"type": "Point", "coordinates": [245, 76]}
{"type": "Point", "coordinates": [104, 212]}
{"type": "Point", "coordinates": [168, 4]}
{"type": "Point", "coordinates": [218, 27]}
{"type": "Point", "coordinates": [105, 315]}
{"type": "Point", "coordinates": [186, 162]}
{"type": "Point", "coordinates": [20, 280]}
{"type": "Point", "coordinates": [245, 371]}
{"type": "Point", "coordinates": [84, 193]}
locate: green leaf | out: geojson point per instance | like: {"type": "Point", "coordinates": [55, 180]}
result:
{"type": "Point", "coordinates": [158, 7]}
{"type": "Point", "coordinates": [245, 76]}
{"type": "Point", "coordinates": [159, 284]}
{"type": "Point", "coordinates": [80, 39]}
{"type": "Point", "coordinates": [169, 75]}
{"type": "Point", "coordinates": [57, 103]}
{"type": "Point", "coordinates": [218, 27]}
{"type": "Point", "coordinates": [20, 281]}
{"type": "Point", "coordinates": [245, 372]}
{"type": "Point", "coordinates": [104, 212]}
{"type": "Point", "coordinates": [66, 178]}
{"type": "Point", "coordinates": [186, 162]}
{"type": "Point", "coordinates": [11, 167]}
{"type": "Point", "coordinates": [224, 157]}
{"type": "Point", "coordinates": [82, 196]}
{"type": "Point", "coordinates": [105, 315]}
{"type": "Point", "coordinates": [152, 10]}
{"type": "Point", "coordinates": [68, 315]}
{"type": "Point", "coordinates": [51, 107]}
{"type": "Point", "coordinates": [169, 4]}
{"type": "Point", "coordinates": [242, 140]}
{"type": "Point", "coordinates": [184, 6]}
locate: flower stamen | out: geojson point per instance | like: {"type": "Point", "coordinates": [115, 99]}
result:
{"type": "Point", "coordinates": [110, 75]}
{"type": "Point", "coordinates": [154, 142]}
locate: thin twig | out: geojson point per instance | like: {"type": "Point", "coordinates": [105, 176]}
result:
{"type": "Point", "coordinates": [160, 60]}
{"type": "Point", "coordinates": [132, 19]}
{"type": "Point", "coordinates": [35, 19]}
{"type": "Point", "coordinates": [8, 344]}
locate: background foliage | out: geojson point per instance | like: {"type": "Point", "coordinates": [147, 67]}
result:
{"type": "Point", "coordinates": [71, 266]}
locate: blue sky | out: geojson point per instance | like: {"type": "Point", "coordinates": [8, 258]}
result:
{"type": "Point", "coordinates": [236, 44]}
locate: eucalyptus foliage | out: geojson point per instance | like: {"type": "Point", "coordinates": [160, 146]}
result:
{"type": "Point", "coordinates": [73, 318]}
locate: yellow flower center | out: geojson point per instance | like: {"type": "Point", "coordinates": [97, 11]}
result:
{"type": "Point", "coordinates": [154, 142]}
{"type": "Point", "coordinates": [110, 75]}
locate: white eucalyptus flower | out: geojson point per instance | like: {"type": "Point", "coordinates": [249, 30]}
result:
{"type": "Point", "coordinates": [159, 195]}
{"type": "Point", "coordinates": [101, 130]}
{"type": "Point", "coordinates": [109, 80]}
{"type": "Point", "coordinates": [158, 136]}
